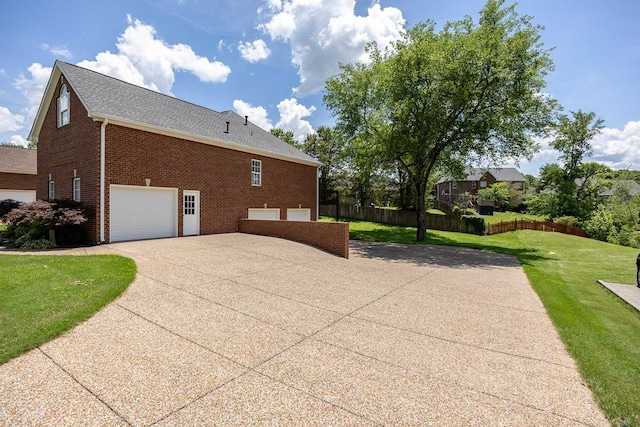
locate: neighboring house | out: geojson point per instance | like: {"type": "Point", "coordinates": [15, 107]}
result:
{"type": "Point", "coordinates": [148, 165]}
{"type": "Point", "coordinates": [451, 190]}
{"type": "Point", "coordinates": [18, 169]}
{"type": "Point", "coordinates": [628, 184]}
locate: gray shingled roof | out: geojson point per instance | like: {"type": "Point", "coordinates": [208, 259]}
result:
{"type": "Point", "coordinates": [18, 160]}
{"type": "Point", "coordinates": [500, 174]}
{"type": "Point", "coordinates": [105, 96]}
{"type": "Point", "coordinates": [632, 186]}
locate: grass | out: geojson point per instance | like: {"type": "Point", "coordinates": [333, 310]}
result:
{"type": "Point", "coordinates": [42, 296]}
{"type": "Point", "coordinates": [509, 216]}
{"type": "Point", "coordinates": [601, 332]}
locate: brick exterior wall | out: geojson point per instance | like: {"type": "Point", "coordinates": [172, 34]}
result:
{"type": "Point", "coordinates": [18, 181]}
{"type": "Point", "coordinates": [222, 176]}
{"type": "Point", "coordinates": [73, 146]}
{"type": "Point", "coordinates": [332, 237]}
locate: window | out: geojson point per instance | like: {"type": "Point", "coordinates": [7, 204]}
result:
{"type": "Point", "coordinates": [256, 173]}
{"type": "Point", "coordinates": [454, 185]}
{"type": "Point", "coordinates": [76, 189]}
{"type": "Point", "coordinates": [473, 185]}
{"type": "Point", "coordinates": [483, 184]}
{"type": "Point", "coordinates": [52, 190]}
{"type": "Point", "coordinates": [63, 107]}
{"type": "Point", "coordinates": [189, 204]}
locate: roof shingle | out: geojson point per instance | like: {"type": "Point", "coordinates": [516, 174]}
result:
{"type": "Point", "coordinates": [108, 97]}
{"type": "Point", "coordinates": [18, 160]}
{"type": "Point", "coordinates": [500, 174]}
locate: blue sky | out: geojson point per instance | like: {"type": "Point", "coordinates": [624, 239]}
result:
{"type": "Point", "coordinates": [268, 59]}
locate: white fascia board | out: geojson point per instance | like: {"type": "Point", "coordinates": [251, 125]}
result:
{"type": "Point", "coordinates": [197, 138]}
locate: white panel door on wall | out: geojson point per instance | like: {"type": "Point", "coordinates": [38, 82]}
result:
{"type": "Point", "coordinates": [138, 213]}
{"type": "Point", "coordinates": [190, 213]}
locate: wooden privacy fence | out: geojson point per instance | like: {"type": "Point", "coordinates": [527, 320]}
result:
{"type": "Point", "coordinates": [525, 224]}
{"type": "Point", "coordinates": [444, 222]}
{"type": "Point", "coordinates": [398, 217]}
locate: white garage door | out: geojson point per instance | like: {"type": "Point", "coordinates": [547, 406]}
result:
{"type": "Point", "coordinates": [142, 212]}
{"type": "Point", "coordinates": [19, 195]}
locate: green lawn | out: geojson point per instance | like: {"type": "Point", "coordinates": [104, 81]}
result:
{"type": "Point", "coordinates": [509, 216]}
{"type": "Point", "coordinates": [601, 332]}
{"type": "Point", "coordinates": [41, 296]}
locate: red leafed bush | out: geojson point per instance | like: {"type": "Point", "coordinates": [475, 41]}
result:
{"type": "Point", "coordinates": [44, 214]}
{"type": "Point", "coordinates": [29, 224]}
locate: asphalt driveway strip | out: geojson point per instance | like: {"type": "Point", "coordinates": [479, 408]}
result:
{"type": "Point", "coordinates": [245, 330]}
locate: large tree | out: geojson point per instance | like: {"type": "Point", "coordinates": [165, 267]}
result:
{"type": "Point", "coordinates": [327, 147]}
{"type": "Point", "coordinates": [437, 100]}
{"type": "Point", "coordinates": [571, 188]}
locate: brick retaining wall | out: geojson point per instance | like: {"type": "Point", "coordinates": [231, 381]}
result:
{"type": "Point", "coordinates": [330, 236]}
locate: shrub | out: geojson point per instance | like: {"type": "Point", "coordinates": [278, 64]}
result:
{"type": "Point", "coordinates": [600, 226]}
{"type": "Point", "coordinates": [30, 221]}
{"type": "Point", "coordinates": [7, 205]}
{"type": "Point", "coordinates": [568, 221]}
{"type": "Point", "coordinates": [38, 244]}
{"type": "Point", "coordinates": [477, 222]}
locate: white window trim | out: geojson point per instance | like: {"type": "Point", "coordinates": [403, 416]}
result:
{"type": "Point", "coordinates": [483, 184]}
{"type": "Point", "coordinates": [52, 190]}
{"type": "Point", "coordinates": [256, 172]}
{"type": "Point", "coordinates": [454, 185]}
{"type": "Point", "coordinates": [64, 94]}
{"type": "Point", "coordinates": [76, 189]}
{"type": "Point", "coordinates": [474, 185]}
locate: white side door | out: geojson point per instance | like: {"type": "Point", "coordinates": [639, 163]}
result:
{"type": "Point", "coordinates": [191, 213]}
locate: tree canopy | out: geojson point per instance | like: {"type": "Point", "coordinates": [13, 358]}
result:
{"type": "Point", "coordinates": [571, 188]}
{"type": "Point", "coordinates": [438, 100]}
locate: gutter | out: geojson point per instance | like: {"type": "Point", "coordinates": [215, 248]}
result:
{"type": "Point", "coordinates": [103, 127]}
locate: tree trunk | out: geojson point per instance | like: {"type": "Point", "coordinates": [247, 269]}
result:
{"type": "Point", "coordinates": [421, 213]}
{"type": "Point", "coordinates": [52, 235]}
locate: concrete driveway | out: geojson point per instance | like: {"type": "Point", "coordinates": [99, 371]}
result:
{"type": "Point", "coordinates": [248, 330]}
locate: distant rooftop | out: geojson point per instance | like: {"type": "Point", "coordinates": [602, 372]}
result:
{"type": "Point", "coordinates": [500, 174]}
{"type": "Point", "coordinates": [18, 160]}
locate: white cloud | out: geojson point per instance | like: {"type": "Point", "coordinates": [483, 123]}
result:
{"type": "Point", "coordinates": [618, 148]}
{"type": "Point", "coordinates": [61, 51]}
{"type": "Point", "coordinates": [10, 122]}
{"type": "Point", "coordinates": [254, 51]}
{"type": "Point", "coordinates": [32, 87]}
{"type": "Point", "coordinates": [257, 115]}
{"type": "Point", "coordinates": [18, 139]}
{"type": "Point", "coordinates": [146, 60]}
{"type": "Point", "coordinates": [291, 114]}
{"type": "Point", "coordinates": [615, 148]}
{"type": "Point", "coordinates": [323, 34]}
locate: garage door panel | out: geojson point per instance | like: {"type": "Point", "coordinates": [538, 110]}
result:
{"type": "Point", "coordinates": [143, 213]}
{"type": "Point", "coordinates": [25, 196]}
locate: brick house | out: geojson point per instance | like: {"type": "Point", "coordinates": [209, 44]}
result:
{"type": "Point", "coordinates": [18, 169]}
{"type": "Point", "coordinates": [148, 165]}
{"type": "Point", "coordinates": [451, 190]}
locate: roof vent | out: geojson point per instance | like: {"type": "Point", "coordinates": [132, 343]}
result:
{"type": "Point", "coordinates": [227, 131]}
{"type": "Point", "coordinates": [246, 120]}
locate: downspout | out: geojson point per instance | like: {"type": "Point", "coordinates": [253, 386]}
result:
{"type": "Point", "coordinates": [102, 173]}
{"type": "Point", "coordinates": [317, 193]}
